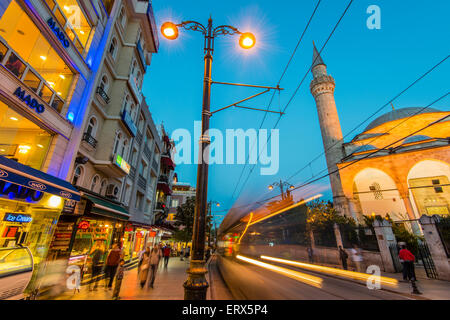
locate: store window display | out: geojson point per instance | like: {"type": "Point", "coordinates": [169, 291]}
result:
{"type": "Point", "coordinates": [29, 56]}
{"type": "Point", "coordinates": [21, 139]}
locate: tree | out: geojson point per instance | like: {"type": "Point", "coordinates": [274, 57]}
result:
{"type": "Point", "coordinates": [184, 220]}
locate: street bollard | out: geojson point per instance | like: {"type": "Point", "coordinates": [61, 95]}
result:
{"type": "Point", "coordinates": [415, 289]}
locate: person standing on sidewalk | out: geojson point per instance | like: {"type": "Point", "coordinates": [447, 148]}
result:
{"type": "Point", "coordinates": [357, 257]}
{"type": "Point", "coordinates": [408, 264]}
{"type": "Point", "coordinates": [144, 265]}
{"type": "Point", "coordinates": [119, 276]}
{"type": "Point", "coordinates": [343, 256]}
{"type": "Point", "coordinates": [187, 252]}
{"type": "Point", "coordinates": [310, 254]}
{"type": "Point", "coordinates": [97, 253]}
{"type": "Point", "coordinates": [155, 257]}
{"type": "Point", "coordinates": [167, 251]}
{"type": "Point", "coordinates": [112, 262]}
{"type": "Point", "coordinates": [181, 254]}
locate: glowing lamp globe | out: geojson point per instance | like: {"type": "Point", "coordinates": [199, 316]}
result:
{"type": "Point", "coordinates": [169, 30]}
{"type": "Point", "coordinates": [247, 40]}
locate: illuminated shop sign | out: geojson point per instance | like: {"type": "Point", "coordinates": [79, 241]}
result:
{"type": "Point", "coordinates": [59, 34]}
{"type": "Point", "coordinates": [17, 217]}
{"type": "Point", "coordinates": [118, 160]}
{"type": "Point", "coordinates": [15, 191]}
{"type": "Point", "coordinates": [84, 225]}
{"type": "Point", "coordinates": [31, 102]}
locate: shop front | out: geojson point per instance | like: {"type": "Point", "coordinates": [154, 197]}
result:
{"type": "Point", "coordinates": [102, 225]}
{"type": "Point", "coordinates": [31, 203]}
{"type": "Point", "coordinates": [134, 241]}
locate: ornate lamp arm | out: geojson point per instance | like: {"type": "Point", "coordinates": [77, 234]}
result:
{"type": "Point", "coordinates": [225, 30]}
{"type": "Point", "coordinates": [193, 25]}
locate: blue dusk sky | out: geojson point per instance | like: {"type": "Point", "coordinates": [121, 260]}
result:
{"type": "Point", "coordinates": [370, 67]}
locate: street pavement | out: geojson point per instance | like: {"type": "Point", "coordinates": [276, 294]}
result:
{"type": "Point", "coordinates": [168, 285]}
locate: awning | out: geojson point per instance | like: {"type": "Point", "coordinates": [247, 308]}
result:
{"type": "Point", "coordinates": [168, 162]}
{"type": "Point", "coordinates": [107, 208]}
{"type": "Point", "coordinates": [164, 187]}
{"type": "Point", "coordinates": [20, 174]}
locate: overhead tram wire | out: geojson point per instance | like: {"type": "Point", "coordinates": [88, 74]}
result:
{"type": "Point", "coordinates": [278, 83]}
{"type": "Point", "coordinates": [296, 90]}
{"type": "Point", "coordinates": [309, 181]}
{"type": "Point", "coordinates": [372, 115]}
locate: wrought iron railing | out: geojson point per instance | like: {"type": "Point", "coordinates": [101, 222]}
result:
{"type": "Point", "coordinates": [90, 139]}
{"type": "Point", "coordinates": [147, 152]}
{"type": "Point", "coordinates": [142, 182]}
{"type": "Point", "coordinates": [103, 94]}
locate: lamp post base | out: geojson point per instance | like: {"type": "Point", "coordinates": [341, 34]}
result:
{"type": "Point", "coordinates": [196, 286]}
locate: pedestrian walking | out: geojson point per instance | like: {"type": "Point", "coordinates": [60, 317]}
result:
{"type": "Point", "coordinates": [357, 257]}
{"type": "Point", "coordinates": [155, 257]}
{"type": "Point", "coordinates": [407, 259]}
{"type": "Point", "coordinates": [187, 252]}
{"type": "Point", "coordinates": [343, 256]}
{"type": "Point", "coordinates": [182, 254]}
{"type": "Point", "coordinates": [119, 276]}
{"type": "Point", "coordinates": [96, 253]}
{"type": "Point", "coordinates": [144, 265]}
{"type": "Point", "coordinates": [310, 254]}
{"type": "Point", "coordinates": [112, 262]}
{"type": "Point", "coordinates": [167, 251]}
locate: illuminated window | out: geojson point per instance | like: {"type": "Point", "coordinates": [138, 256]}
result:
{"type": "Point", "coordinates": [72, 19]}
{"type": "Point", "coordinates": [21, 139]}
{"type": "Point", "coordinates": [27, 46]}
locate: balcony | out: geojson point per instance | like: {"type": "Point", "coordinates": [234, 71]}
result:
{"type": "Point", "coordinates": [129, 124]}
{"type": "Point", "coordinates": [147, 152]}
{"type": "Point", "coordinates": [132, 173]}
{"type": "Point", "coordinates": [132, 82]}
{"type": "Point", "coordinates": [90, 139]}
{"type": "Point", "coordinates": [141, 55]}
{"type": "Point", "coordinates": [139, 138]}
{"type": "Point", "coordinates": [142, 182]}
{"type": "Point", "coordinates": [163, 178]}
{"type": "Point", "coordinates": [103, 94]}
{"type": "Point", "coordinates": [155, 166]}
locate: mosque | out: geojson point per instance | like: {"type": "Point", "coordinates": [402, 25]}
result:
{"type": "Point", "coordinates": [392, 167]}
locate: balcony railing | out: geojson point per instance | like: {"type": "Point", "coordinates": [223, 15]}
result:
{"type": "Point", "coordinates": [163, 178]}
{"type": "Point", "coordinates": [132, 172]}
{"type": "Point", "coordinates": [90, 139]}
{"type": "Point", "coordinates": [141, 55]}
{"type": "Point", "coordinates": [142, 182]}
{"type": "Point", "coordinates": [155, 165]}
{"type": "Point", "coordinates": [147, 152]}
{"type": "Point", "coordinates": [103, 94]}
{"type": "Point", "coordinates": [135, 88]}
{"type": "Point", "coordinates": [139, 138]}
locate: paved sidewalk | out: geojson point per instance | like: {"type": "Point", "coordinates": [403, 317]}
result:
{"type": "Point", "coordinates": [168, 285]}
{"type": "Point", "coordinates": [430, 288]}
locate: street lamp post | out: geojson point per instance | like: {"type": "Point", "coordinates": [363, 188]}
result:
{"type": "Point", "coordinates": [282, 184]}
{"type": "Point", "coordinates": [195, 286]}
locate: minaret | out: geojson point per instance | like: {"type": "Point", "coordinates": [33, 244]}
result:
{"type": "Point", "coordinates": [322, 88]}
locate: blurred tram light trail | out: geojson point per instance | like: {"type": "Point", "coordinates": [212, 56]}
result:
{"type": "Point", "coordinates": [342, 273]}
{"type": "Point", "coordinates": [302, 277]}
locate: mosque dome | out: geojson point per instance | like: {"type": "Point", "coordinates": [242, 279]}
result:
{"type": "Point", "coordinates": [398, 114]}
